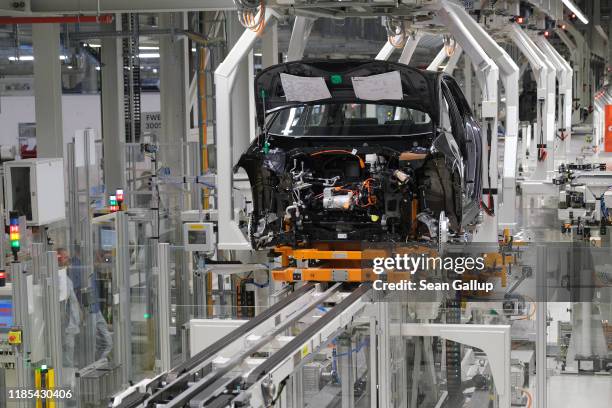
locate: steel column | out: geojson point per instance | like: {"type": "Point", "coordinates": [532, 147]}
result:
{"type": "Point", "coordinates": [122, 336]}
{"type": "Point", "coordinates": [113, 126]}
{"type": "Point", "coordinates": [163, 307]}
{"type": "Point", "coordinates": [174, 100]}
{"type": "Point", "coordinates": [21, 320]}
{"type": "Point", "coordinates": [48, 90]}
{"type": "Point", "coordinates": [53, 324]}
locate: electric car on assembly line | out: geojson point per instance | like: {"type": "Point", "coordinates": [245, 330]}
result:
{"type": "Point", "coordinates": [361, 151]}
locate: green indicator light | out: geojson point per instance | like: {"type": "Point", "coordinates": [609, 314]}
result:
{"type": "Point", "coordinates": [147, 316]}
{"type": "Point", "coordinates": [15, 244]}
{"type": "Point", "coordinates": [336, 79]}
{"type": "Point", "coordinates": [263, 93]}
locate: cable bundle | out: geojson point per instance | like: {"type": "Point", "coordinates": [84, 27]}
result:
{"type": "Point", "coordinates": [396, 32]}
{"type": "Point", "coordinates": [252, 14]}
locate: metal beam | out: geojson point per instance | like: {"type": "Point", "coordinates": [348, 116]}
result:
{"type": "Point", "coordinates": [453, 60]}
{"type": "Point", "coordinates": [299, 36]}
{"type": "Point", "coordinates": [410, 47]}
{"type": "Point", "coordinates": [385, 52]}
{"type": "Point", "coordinates": [48, 90]}
{"type": "Point", "coordinates": [269, 45]}
{"type": "Point", "coordinates": [438, 60]}
{"type": "Point", "coordinates": [230, 236]}
{"type": "Point", "coordinates": [122, 6]}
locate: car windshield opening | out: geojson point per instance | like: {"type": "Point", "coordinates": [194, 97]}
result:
{"type": "Point", "coordinates": [349, 119]}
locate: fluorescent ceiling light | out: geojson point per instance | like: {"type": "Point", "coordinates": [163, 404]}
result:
{"type": "Point", "coordinates": [94, 45]}
{"type": "Point", "coordinates": [148, 47]}
{"type": "Point", "coordinates": [22, 58]}
{"type": "Point", "coordinates": [574, 9]}
{"type": "Point", "coordinates": [257, 54]}
{"type": "Point", "coordinates": [149, 55]}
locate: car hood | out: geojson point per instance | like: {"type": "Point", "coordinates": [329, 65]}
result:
{"type": "Point", "coordinates": [419, 88]}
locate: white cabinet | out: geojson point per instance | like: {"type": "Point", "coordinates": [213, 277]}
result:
{"type": "Point", "coordinates": [35, 188]}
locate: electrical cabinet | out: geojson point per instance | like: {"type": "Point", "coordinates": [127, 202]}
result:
{"type": "Point", "coordinates": [35, 188]}
{"type": "Point", "coordinates": [199, 237]}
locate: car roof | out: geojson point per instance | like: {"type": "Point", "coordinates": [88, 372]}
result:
{"type": "Point", "coordinates": [419, 87]}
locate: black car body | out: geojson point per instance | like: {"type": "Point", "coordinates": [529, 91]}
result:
{"type": "Point", "coordinates": [349, 168]}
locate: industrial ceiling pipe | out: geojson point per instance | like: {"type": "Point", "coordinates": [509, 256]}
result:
{"type": "Point", "coordinates": [102, 19]}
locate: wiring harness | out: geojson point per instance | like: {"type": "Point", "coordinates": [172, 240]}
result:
{"type": "Point", "coordinates": [252, 14]}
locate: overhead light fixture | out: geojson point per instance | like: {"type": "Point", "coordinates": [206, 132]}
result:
{"type": "Point", "coordinates": [574, 9]}
{"type": "Point", "coordinates": [148, 47]}
{"type": "Point", "coordinates": [93, 45]}
{"type": "Point", "coordinates": [22, 58]}
{"type": "Point", "coordinates": [149, 55]}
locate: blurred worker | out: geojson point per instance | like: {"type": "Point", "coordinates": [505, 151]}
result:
{"type": "Point", "coordinates": [71, 313]}
{"type": "Point", "coordinates": [103, 337]}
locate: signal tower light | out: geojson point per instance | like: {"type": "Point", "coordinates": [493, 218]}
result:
{"type": "Point", "coordinates": [112, 202]}
{"type": "Point", "coordinates": [14, 234]}
{"type": "Point", "coordinates": [2, 279]}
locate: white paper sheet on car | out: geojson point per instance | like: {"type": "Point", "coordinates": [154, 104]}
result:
{"type": "Point", "coordinates": [378, 87]}
{"type": "Point", "coordinates": [304, 89]}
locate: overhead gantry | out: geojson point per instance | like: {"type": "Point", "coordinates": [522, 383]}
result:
{"type": "Point", "coordinates": [564, 78]}
{"type": "Point", "coordinates": [487, 74]}
{"type": "Point", "coordinates": [509, 75]}
{"type": "Point", "coordinates": [545, 76]}
{"type": "Point", "coordinates": [230, 235]}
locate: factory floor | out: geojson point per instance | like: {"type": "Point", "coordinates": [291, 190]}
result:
{"type": "Point", "coordinates": [572, 391]}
